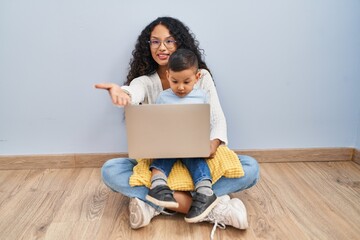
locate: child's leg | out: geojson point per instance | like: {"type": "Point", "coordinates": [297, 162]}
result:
{"type": "Point", "coordinates": [160, 194]}
{"type": "Point", "coordinates": [204, 187]}
{"type": "Point", "coordinates": [157, 178]}
{"type": "Point", "coordinates": [200, 173]}
{"type": "Point", "coordinates": [204, 199]}
{"type": "Point", "coordinates": [160, 170]}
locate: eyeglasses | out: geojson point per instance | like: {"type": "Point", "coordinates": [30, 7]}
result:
{"type": "Point", "coordinates": [169, 43]}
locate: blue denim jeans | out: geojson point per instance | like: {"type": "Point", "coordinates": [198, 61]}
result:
{"type": "Point", "coordinates": [116, 173]}
{"type": "Point", "coordinates": [197, 167]}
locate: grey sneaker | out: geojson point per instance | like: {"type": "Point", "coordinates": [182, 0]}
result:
{"type": "Point", "coordinates": [231, 212]}
{"type": "Point", "coordinates": [201, 207]}
{"type": "Point", "coordinates": [141, 213]}
{"type": "Point", "coordinates": [162, 196]}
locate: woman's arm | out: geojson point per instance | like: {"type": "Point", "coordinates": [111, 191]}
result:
{"type": "Point", "coordinates": [118, 96]}
{"type": "Point", "coordinates": [121, 96]}
{"type": "Point", "coordinates": [218, 121]}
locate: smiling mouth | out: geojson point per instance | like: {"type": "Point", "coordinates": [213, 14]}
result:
{"type": "Point", "coordinates": [163, 56]}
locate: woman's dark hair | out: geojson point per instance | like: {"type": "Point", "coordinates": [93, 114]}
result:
{"type": "Point", "coordinates": [142, 62]}
{"type": "Point", "coordinates": [182, 59]}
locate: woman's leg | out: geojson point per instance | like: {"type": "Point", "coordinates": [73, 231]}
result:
{"type": "Point", "coordinates": [231, 185]}
{"type": "Point", "coordinates": [116, 173]}
{"type": "Point", "coordinates": [184, 199]}
{"type": "Point", "coordinates": [225, 185]}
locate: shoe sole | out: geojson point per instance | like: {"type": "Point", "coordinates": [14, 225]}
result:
{"type": "Point", "coordinates": [162, 203]}
{"type": "Point", "coordinates": [246, 223]}
{"type": "Point", "coordinates": [241, 205]}
{"type": "Point", "coordinates": [204, 214]}
{"type": "Point", "coordinates": [136, 219]}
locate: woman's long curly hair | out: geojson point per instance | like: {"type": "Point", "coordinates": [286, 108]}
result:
{"type": "Point", "coordinates": [142, 62]}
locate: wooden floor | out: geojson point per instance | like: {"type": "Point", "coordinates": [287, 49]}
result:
{"type": "Point", "coordinates": [314, 200]}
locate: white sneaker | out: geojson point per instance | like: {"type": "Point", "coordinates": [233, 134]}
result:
{"type": "Point", "coordinates": [141, 213]}
{"type": "Point", "coordinates": [231, 212]}
{"type": "Point", "coordinates": [224, 198]}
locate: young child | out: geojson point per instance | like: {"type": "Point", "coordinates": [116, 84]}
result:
{"type": "Point", "coordinates": [183, 74]}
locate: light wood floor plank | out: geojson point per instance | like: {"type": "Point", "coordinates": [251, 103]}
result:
{"type": "Point", "coordinates": [302, 200]}
{"type": "Point", "coordinates": [10, 180]}
{"type": "Point", "coordinates": [309, 208]}
{"type": "Point", "coordinates": [113, 224]}
{"type": "Point", "coordinates": [310, 213]}
{"type": "Point", "coordinates": [62, 230]}
{"type": "Point", "coordinates": [267, 214]}
{"type": "Point", "coordinates": [340, 198]}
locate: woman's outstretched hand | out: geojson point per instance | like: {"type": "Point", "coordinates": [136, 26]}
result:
{"type": "Point", "coordinates": [118, 96]}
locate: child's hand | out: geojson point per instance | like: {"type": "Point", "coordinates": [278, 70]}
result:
{"type": "Point", "coordinates": [214, 144]}
{"type": "Point", "coordinates": [118, 96]}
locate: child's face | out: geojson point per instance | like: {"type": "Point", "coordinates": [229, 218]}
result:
{"type": "Point", "coordinates": [182, 83]}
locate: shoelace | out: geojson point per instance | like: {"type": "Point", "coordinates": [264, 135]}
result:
{"type": "Point", "coordinates": [217, 224]}
{"type": "Point", "coordinates": [167, 212]}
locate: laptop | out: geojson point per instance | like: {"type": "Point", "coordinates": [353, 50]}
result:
{"type": "Point", "coordinates": [168, 130]}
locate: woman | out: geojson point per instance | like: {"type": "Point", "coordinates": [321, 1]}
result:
{"type": "Point", "coordinates": [146, 79]}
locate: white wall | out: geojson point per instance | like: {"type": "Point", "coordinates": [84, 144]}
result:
{"type": "Point", "coordinates": [287, 72]}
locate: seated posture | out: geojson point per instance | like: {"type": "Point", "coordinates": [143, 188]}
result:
{"type": "Point", "coordinates": [145, 80]}
{"type": "Point", "coordinates": [183, 73]}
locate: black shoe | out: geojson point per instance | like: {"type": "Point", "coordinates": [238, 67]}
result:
{"type": "Point", "coordinates": [162, 196]}
{"type": "Point", "coordinates": [201, 207]}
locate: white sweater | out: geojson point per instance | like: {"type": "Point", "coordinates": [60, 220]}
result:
{"type": "Point", "coordinates": [145, 89]}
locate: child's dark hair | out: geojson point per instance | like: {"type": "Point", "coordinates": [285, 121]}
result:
{"type": "Point", "coordinates": [183, 59]}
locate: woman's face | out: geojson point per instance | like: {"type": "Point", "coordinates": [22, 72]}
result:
{"type": "Point", "coordinates": [162, 44]}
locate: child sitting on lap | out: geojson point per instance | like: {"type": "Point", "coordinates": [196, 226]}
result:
{"type": "Point", "coordinates": [183, 74]}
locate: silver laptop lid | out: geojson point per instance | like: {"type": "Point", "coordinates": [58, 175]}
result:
{"type": "Point", "coordinates": [168, 130]}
